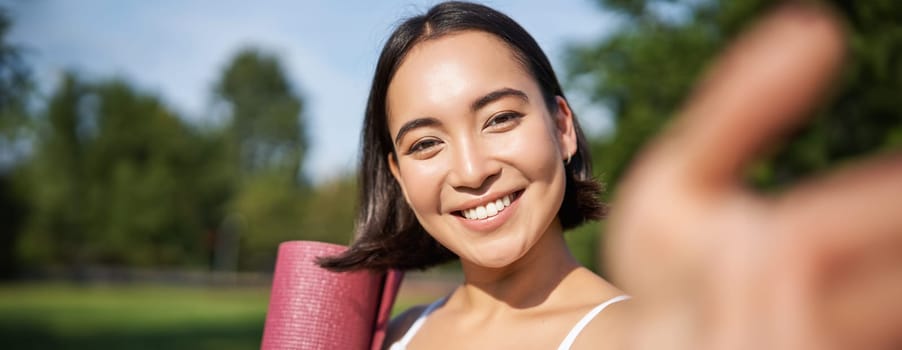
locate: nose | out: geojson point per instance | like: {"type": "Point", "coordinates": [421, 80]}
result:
{"type": "Point", "coordinates": [472, 167]}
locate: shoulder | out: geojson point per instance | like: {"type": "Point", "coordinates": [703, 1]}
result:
{"type": "Point", "coordinates": [609, 327]}
{"type": "Point", "coordinates": [399, 325]}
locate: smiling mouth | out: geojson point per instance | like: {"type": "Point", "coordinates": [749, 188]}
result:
{"type": "Point", "coordinates": [489, 209]}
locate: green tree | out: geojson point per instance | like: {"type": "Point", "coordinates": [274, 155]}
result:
{"type": "Point", "coordinates": [334, 205]}
{"type": "Point", "coordinates": [117, 178]}
{"type": "Point", "coordinates": [268, 142]}
{"type": "Point", "coordinates": [265, 112]}
{"type": "Point", "coordinates": [644, 70]}
{"type": "Point", "coordinates": [54, 178]}
{"type": "Point", "coordinates": [15, 88]}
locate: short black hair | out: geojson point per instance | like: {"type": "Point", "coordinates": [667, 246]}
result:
{"type": "Point", "coordinates": [388, 235]}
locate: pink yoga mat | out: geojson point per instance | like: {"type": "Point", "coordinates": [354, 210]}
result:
{"type": "Point", "coordinates": [313, 308]}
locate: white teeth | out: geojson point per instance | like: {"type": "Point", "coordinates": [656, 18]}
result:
{"type": "Point", "coordinates": [489, 210]}
{"type": "Point", "coordinates": [481, 212]}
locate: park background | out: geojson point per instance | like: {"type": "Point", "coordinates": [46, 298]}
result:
{"type": "Point", "coordinates": [153, 155]}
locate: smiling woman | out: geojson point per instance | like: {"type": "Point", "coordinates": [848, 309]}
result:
{"type": "Point", "coordinates": [470, 150]}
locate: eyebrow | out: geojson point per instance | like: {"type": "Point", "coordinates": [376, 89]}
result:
{"type": "Point", "coordinates": [477, 105]}
{"type": "Point", "coordinates": [497, 95]}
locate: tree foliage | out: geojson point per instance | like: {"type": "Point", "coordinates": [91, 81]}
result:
{"type": "Point", "coordinates": [117, 178]}
{"type": "Point", "coordinates": [644, 70]}
{"type": "Point", "coordinates": [265, 112]}
{"type": "Point", "coordinates": [106, 174]}
{"type": "Point", "coordinates": [15, 89]}
{"type": "Point", "coordinates": [15, 86]}
{"type": "Point", "coordinates": [267, 143]}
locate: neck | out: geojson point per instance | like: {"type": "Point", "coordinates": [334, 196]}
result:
{"type": "Point", "coordinates": [527, 282]}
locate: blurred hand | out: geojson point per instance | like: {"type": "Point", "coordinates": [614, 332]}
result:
{"type": "Point", "coordinates": [715, 265]}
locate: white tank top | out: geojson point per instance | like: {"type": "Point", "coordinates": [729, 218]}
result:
{"type": "Point", "coordinates": [565, 345]}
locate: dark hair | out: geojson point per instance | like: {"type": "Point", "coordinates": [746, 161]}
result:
{"type": "Point", "coordinates": [388, 234]}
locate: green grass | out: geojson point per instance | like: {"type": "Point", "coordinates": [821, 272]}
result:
{"type": "Point", "coordinates": [67, 316]}
{"type": "Point", "coordinates": [63, 316]}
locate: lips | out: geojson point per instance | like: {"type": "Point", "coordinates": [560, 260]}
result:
{"type": "Point", "coordinates": [490, 209]}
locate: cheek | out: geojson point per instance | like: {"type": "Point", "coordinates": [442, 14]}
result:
{"type": "Point", "coordinates": [533, 150]}
{"type": "Point", "coordinates": [422, 181]}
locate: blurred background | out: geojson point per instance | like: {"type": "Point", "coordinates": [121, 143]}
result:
{"type": "Point", "coordinates": [154, 154]}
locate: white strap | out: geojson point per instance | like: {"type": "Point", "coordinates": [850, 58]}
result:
{"type": "Point", "coordinates": [578, 328]}
{"type": "Point", "coordinates": [402, 344]}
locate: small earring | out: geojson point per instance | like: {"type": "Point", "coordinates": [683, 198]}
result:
{"type": "Point", "coordinates": [567, 162]}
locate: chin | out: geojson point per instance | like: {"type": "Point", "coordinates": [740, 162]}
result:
{"type": "Point", "coordinates": [497, 257]}
{"type": "Point", "coordinates": [494, 263]}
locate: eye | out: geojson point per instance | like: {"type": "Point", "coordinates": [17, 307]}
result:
{"type": "Point", "coordinates": [503, 121]}
{"type": "Point", "coordinates": [423, 146]}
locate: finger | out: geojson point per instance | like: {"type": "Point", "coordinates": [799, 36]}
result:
{"type": "Point", "coordinates": [855, 209]}
{"type": "Point", "coordinates": [759, 87]}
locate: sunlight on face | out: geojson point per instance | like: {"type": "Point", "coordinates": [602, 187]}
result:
{"type": "Point", "coordinates": [479, 155]}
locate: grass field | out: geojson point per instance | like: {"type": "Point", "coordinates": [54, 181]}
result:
{"type": "Point", "coordinates": [62, 316]}
{"type": "Point", "coordinates": [66, 316]}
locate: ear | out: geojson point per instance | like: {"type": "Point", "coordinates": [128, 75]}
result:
{"type": "Point", "coordinates": [396, 173]}
{"type": "Point", "coordinates": [566, 133]}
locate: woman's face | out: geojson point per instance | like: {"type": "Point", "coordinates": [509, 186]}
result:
{"type": "Point", "coordinates": [479, 154]}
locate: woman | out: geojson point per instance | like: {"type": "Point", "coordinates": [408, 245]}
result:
{"type": "Point", "coordinates": [471, 151]}
{"type": "Point", "coordinates": [465, 111]}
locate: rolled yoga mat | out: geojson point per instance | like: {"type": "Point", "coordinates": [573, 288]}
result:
{"type": "Point", "coordinates": [313, 308]}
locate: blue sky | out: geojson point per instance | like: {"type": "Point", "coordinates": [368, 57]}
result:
{"type": "Point", "coordinates": [177, 49]}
